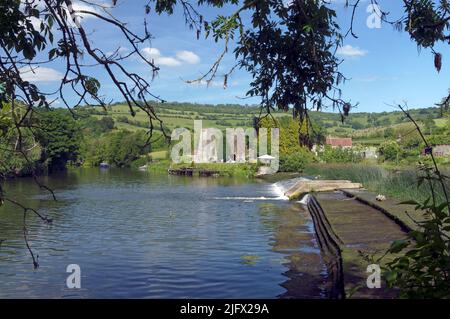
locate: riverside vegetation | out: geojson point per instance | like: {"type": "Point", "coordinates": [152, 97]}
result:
{"type": "Point", "coordinates": [92, 135]}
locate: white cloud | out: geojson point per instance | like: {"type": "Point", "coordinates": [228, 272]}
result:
{"type": "Point", "coordinates": [168, 61]}
{"type": "Point", "coordinates": [188, 56]}
{"type": "Point", "coordinates": [180, 58]}
{"type": "Point", "coordinates": [205, 83]}
{"type": "Point", "coordinates": [155, 55]}
{"type": "Point", "coordinates": [40, 74]}
{"type": "Point", "coordinates": [350, 51]}
{"type": "Point", "coordinates": [97, 7]}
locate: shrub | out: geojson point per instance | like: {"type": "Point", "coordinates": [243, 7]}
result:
{"type": "Point", "coordinates": [390, 150]}
{"type": "Point", "coordinates": [123, 119]}
{"type": "Point", "coordinates": [295, 162]}
{"type": "Point", "coordinates": [339, 155]}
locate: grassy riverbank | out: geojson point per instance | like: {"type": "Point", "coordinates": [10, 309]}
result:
{"type": "Point", "coordinates": [224, 169]}
{"type": "Point", "coordinates": [398, 183]}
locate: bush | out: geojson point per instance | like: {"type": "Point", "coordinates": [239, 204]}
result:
{"type": "Point", "coordinates": [295, 162]}
{"type": "Point", "coordinates": [390, 150]}
{"type": "Point", "coordinates": [123, 119]}
{"type": "Point", "coordinates": [389, 132]}
{"type": "Point", "coordinates": [339, 155]}
{"type": "Point", "coordinates": [357, 126]}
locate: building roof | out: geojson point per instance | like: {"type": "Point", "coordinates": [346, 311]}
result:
{"type": "Point", "coordinates": [338, 141]}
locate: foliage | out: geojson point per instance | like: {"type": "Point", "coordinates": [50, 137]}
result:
{"type": "Point", "coordinates": [289, 133]}
{"type": "Point", "coordinates": [295, 162]}
{"type": "Point", "coordinates": [422, 266]}
{"type": "Point", "coordinates": [12, 162]}
{"type": "Point", "coordinates": [390, 150]}
{"type": "Point", "coordinates": [338, 155]}
{"type": "Point", "coordinates": [118, 148]}
{"type": "Point", "coordinates": [54, 141]}
{"type": "Point", "coordinates": [390, 181]}
{"type": "Point", "coordinates": [59, 135]}
{"type": "Point", "coordinates": [427, 22]}
{"type": "Point", "coordinates": [389, 132]}
{"type": "Point", "coordinates": [296, 53]}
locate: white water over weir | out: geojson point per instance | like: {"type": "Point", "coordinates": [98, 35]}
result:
{"type": "Point", "coordinates": [281, 187]}
{"type": "Point", "coordinates": [277, 191]}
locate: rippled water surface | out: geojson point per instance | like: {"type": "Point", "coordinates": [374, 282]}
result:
{"type": "Point", "coordinates": [139, 235]}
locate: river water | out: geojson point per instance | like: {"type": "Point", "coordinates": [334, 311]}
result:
{"type": "Point", "coordinates": [141, 235]}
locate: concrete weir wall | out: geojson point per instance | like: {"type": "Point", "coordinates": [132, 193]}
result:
{"type": "Point", "coordinates": [330, 247]}
{"type": "Point", "coordinates": [307, 186]}
{"type": "Point", "coordinates": [346, 230]}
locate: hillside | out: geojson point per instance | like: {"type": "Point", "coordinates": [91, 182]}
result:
{"type": "Point", "coordinates": [365, 128]}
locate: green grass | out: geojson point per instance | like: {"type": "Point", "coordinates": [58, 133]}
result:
{"type": "Point", "coordinates": [158, 155]}
{"type": "Point", "coordinates": [224, 169]}
{"type": "Point", "coordinates": [441, 122]}
{"type": "Point", "coordinates": [176, 118]}
{"type": "Point", "coordinates": [159, 166]}
{"type": "Point", "coordinates": [224, 116]}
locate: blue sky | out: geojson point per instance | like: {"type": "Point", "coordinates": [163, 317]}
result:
{"type": "Point", "coordinates": [384, 66]}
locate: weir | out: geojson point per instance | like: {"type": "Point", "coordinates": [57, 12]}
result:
{"type": "Point", "coordinates": [346, 227]}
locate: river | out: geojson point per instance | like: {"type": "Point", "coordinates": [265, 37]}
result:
{"type": "Point", "coordinates": [140, 235]}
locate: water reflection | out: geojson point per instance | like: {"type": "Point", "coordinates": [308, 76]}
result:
{"type": "Point", "coordinates": [294, 238]}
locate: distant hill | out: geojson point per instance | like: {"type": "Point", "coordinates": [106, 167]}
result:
{"type": "Point", "coordinates": [362, 126]}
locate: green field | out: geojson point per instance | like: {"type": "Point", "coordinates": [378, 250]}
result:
{"type": "Point", "coordinates": [364, 128]}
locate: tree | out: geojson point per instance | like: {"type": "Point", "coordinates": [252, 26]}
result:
{"type": "Point", "coordinates": [390, 150]}
{"type": "Point", "coordinates": [15, 161]}
{"type": "Point", "coordinates": [389, 132]}
{"type": "Point", "coordinates": [123, 147]}
{"type": "Point", "coordinates": [357, 125]}
{"type": "Point", "coordinates": [106, 123]}
{"type": "Point", "coordinates": [58, 134]}
{"type": "Point", "coordinates": [430, 125]}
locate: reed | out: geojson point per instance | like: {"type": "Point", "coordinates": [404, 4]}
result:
{"type": "Point", "coordinates": [398, 183]}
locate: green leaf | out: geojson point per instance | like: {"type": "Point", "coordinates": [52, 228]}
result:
{"type": "Point", "coordinates": [397, 246]}
{"type": "Point", "coordinates": [391, 276]}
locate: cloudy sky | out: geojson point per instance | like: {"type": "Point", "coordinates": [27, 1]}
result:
{"type": "Point", "coordinates": [384, 66]}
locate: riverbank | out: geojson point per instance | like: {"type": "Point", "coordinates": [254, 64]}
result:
{"type": "Point", "coordinates": [398, 183]}
{"type": "Point", "coordinates": [224, 169]}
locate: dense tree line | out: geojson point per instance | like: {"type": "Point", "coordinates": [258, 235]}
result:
{"type": "Point", "coordinates": [55, 140]}
{"type": "Point", "coordinates": [52, 140]}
